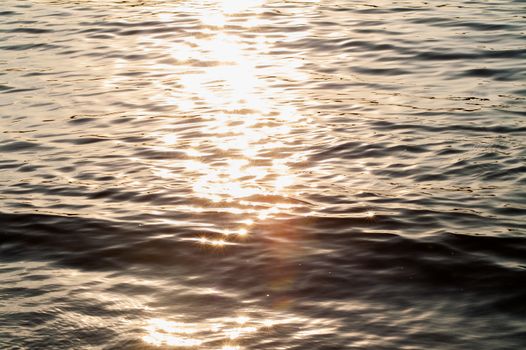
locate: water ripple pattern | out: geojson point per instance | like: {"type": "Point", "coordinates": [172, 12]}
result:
{"type": "Point", "coordinates": [262, 174]}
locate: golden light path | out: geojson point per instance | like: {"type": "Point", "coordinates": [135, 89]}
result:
{"type": "Point", "coordinates": [245, 124]}
{"type": "Point", "coordinates": [242, 120]}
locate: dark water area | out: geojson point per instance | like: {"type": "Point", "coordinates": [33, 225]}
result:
{"type": "Point", "coordinates": [262, 174]}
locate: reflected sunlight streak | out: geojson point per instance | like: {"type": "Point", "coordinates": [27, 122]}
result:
{"type": "Point", "coordinates": [237, 154]}
{"type": "Point", "coordinates": [160, 332]}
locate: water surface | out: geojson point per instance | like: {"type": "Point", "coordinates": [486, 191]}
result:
{"type": "Point", "coordinates": [262, 174]}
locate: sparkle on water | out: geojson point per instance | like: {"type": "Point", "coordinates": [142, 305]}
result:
{"type": "Point", "coordinates": [245, 125]}
{"type": "Point", "coordinates": [160, 332]}
{"type": "Point", "coordinates": [236, 165]}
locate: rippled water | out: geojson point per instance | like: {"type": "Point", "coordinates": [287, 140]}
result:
{"type": "Point", "coordinates": [262, 174]}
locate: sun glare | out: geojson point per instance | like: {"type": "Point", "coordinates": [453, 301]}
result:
{"type": "Point", "coordinates": [166, 333]}
{"type": "Point", "coordinates": [239, 164]}
{"type": "Point", "coordinates": [162, 333]}
{"type": "Point", "coordinates": [236, 6]}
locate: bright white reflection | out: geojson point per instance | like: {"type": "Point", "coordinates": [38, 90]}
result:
{"type": "Point", "coordinates": [230, 347]}
{"type": "Point", "coordinates": [235, 154]}
{"type": "Point", "coordinates": [236, 6]}
{"type": "Point", "coordinates": [169, 139]}
{"type": "Point", "coordinates": [166, 333]}
{"type": "Point", "coordinates": [222, 9]}
{"type": "Point", "coordinates": [160, 332]}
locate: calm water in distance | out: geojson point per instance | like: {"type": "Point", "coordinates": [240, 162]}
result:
{"type": "Point", "coordinates": [263, 174]}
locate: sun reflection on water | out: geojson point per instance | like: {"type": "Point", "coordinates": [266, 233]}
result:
{"type": "Point", "coordinates": [234, 156]}
{"type": "Point", "coordinates": [218, 17]}
{"type": "Point", "coordinates": [161, 332]}
{"type": "Point", "coordinates": [167, 333]}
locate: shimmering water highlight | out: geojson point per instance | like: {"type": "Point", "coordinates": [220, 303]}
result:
{"type": "Point", "coordinates": [262, 174]}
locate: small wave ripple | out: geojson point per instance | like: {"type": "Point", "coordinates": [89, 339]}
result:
{"type": "Point", "coordinates": [262, 174]}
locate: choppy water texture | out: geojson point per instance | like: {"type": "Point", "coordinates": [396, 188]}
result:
{"type": "Point", "coordinates": [263, 174]}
